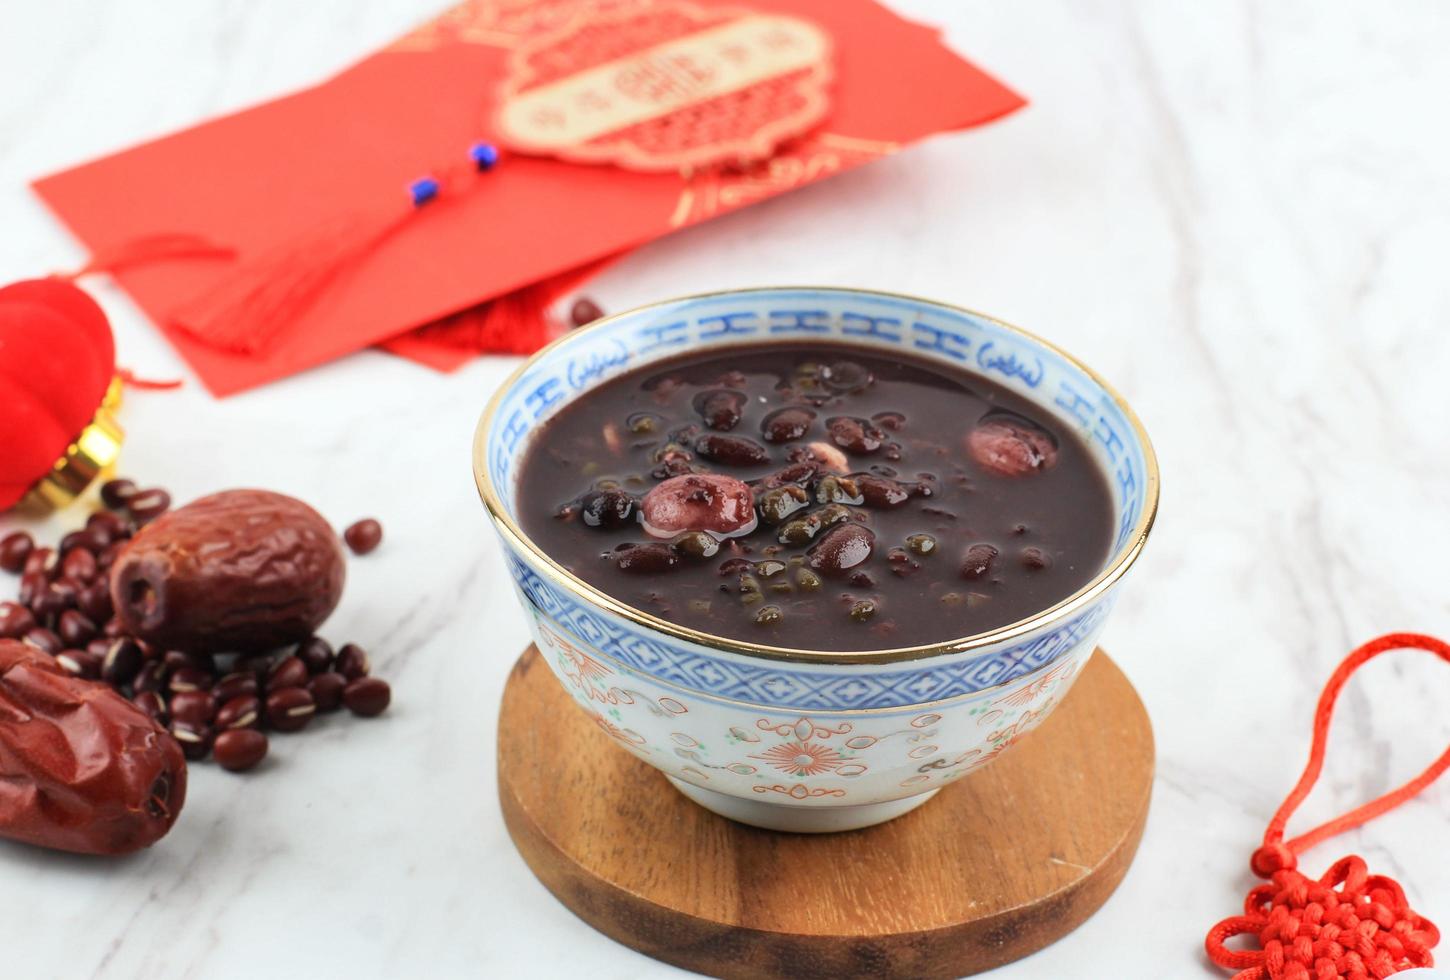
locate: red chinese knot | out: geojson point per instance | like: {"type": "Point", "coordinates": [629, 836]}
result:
{"type": "Point", "coordinates": [1348, 924]}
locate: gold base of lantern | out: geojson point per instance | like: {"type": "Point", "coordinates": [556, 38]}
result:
{"type": "Point", "coordinates": [93, 453]}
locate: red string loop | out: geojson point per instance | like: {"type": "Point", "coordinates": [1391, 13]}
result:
{"type": "Point", "coordinates": [1348, 924]}
{"type": "Point", "coordinates": [160, 247]}
{"type": "Point", "coordinates": [1322, 716]}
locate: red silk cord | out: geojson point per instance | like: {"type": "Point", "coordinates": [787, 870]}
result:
{"type": "Point", "coordinates": [1348, 924]}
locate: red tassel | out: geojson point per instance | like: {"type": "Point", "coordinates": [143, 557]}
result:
{"type": "Point", "coordinates": [1346, 924]}
{"type": "Point", "coordinates": [256, 302]}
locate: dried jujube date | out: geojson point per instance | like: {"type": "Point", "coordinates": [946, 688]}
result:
{"type": "Point", "coordinates": [81, 768]}
{"type": "Point", "coordinates": [239, 570]}
{"type": "Point", "coordinates": [722, 505]}
{"type": "Point", "coordinates": [1006, 444]}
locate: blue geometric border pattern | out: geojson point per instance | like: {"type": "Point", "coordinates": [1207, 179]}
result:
{"type": "Point", "coordinates": [778, 685]}
{"type": "Point", "coordinates": [952, 337]}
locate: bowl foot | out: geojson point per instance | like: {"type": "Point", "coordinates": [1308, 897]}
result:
{"type": "Point", "coordinates": [799, 819]}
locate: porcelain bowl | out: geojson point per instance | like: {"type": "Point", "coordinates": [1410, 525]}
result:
{"type": "Point", "coordinates": [792, 739]}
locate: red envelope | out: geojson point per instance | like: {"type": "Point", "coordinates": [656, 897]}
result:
{"type": "Point", "coordinates": [273, 174]}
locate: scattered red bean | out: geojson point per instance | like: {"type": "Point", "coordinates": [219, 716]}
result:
{"type": "Point", "coordinates": [287, 672]}
{"type": "Point", "coordinates": [192, 708]}
{"type": "Point", "coordinates": [367, 696]}
{"type": "Point", "coordinates": [42, 561]}
{"type": "Point", "coordinates": [115, 493]}
{"type": "Point", "coordinates": [316, 653]}
{"type": "Point", "coordinates": [79, 565]}
{"type": "Point", "coordinates": [147, 505]}
{"type": "Point", "coordinates": [14, 549]}
{"type": "Point", "coordinates": [364, 536]}
{"type": "Point", "coordinates": [242, 711]}
{"type": "Point", "coordinates": [236, 685]}
{"type": "Point", "coordinates": [843, 547]}
{"type": "Point", "coordinates": [107, 528]}
{"type": "Point", "coordinates": [195, 742]}
{"type": "Point", "coordinates": [150, 678]}
{"type": "Point", "coordinates": [121, 661]}
{"type": "Point", "coordinates": [858, 436]}
{"type": "Point", "coordinates": [352, 662]}
{"type": "Point", "coordinates": [1035, 559]}
{"type": "Point", "coordinates": [645, 559]}
{"type": "Point", "coordinates": [240, 749]}
{"type": "Point", "coordinates": [881, 492]}
{"type": "Point", "coordinates": [75, 629]}
{"type": "Point", "coordinates": [721, 408]}
{"type": "Point", "coordinates": [290, 709]}
{"type": "Point", "coordinates": [53, 600]}
{"type": "Point", "coordinates": [151, 703]}
{"type": "Point", "coordinates": [79, 663]}
{"type": "Point", "coordinates": [584, 311]}
{"type": "Point", "coordinates": [15, 621]}
{"type": "Point", "coordinates": [326, 690]}
{"type": "Point", "coordinates": [609, 509]}
{"type": "Point", "coordinates": [95, 600]}
{"type": "Point", "coordinates": [787, 424]}
{"type": "Point", "coordinates": [978, 561]}
{"type": "Point", "coordinates": [189, 679]}
{"type": "Point", "coordinates": [731, 450]}
{"type": "Point", "coordinates": [44, 640]}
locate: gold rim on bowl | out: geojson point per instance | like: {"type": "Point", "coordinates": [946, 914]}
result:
{"type": "Point", "coordinates": [1121, 561]}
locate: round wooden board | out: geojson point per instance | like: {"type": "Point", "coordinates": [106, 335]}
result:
{"type": "Point", "coordinates": [997, 866]}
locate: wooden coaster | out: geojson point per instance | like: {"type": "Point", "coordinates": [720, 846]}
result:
{"type": "Point", "coordinates": [998, 865]}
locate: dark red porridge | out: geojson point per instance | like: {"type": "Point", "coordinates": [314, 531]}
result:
{"type": "Point", "coordinates": [822, 498]}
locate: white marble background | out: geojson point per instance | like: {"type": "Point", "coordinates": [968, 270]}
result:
{"type": "Point", "coordinates": [1239, 212]}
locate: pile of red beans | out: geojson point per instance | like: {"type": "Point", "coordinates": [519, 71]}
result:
{"type": "Point", "coordinates": [220, 705]}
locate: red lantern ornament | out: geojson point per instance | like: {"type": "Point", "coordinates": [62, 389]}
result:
{"type": "Point", "coordinates": [58, 392]}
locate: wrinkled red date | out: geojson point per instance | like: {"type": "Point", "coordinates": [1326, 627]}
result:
{"type": "Point", "coordinates": [1007, 444]}
{"type": "Point", "coordinates": [81, 768]}
{"type": "Point", "coordinates": [241, 570]}
{"type": "Point", "coordinates": [710, 502]}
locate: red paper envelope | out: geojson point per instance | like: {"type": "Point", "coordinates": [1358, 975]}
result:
{"type": "Point", "coordinates": [272, 175]}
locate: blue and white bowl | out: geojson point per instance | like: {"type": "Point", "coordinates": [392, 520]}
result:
{"type": "Point", "coordinates": [796, 739]}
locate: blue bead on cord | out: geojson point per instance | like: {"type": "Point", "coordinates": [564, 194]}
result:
{"type": "Point", "coordinates": [424, 189]}
{"type": "Point", "coordinates": [484, 155]}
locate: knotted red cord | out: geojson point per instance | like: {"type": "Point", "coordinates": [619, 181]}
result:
{"type": "Point", "coordinates": [1348, 924]}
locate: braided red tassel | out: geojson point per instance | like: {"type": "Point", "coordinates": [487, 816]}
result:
{"type": "Point", "coordinates": [1348, 924]}
{"type": "Point", "coordinates": [262, 297]}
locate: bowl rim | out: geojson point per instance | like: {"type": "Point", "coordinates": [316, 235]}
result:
{"type": "Point", "coordinates": [1121, 561]}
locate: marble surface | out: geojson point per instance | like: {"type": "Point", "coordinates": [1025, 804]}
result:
{"type": "Point", "coordinates": [1237, 212]}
